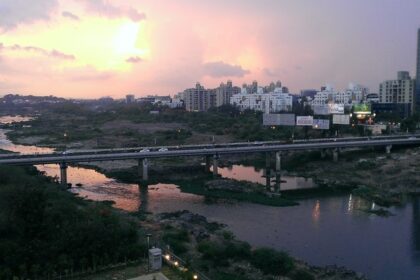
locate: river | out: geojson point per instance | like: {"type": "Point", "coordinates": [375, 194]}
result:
{"type": "Point", "coordinates": [320, 231]}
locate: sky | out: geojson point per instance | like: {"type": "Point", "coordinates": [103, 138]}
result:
{"type": "Point", "coordinates": [95, 48]}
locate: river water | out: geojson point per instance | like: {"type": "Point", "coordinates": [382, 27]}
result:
{"type": "Point", "coordinates": [321, 231]}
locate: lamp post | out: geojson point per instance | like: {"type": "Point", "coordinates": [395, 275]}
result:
{"type": "Point", "coordinates": [148, 235]}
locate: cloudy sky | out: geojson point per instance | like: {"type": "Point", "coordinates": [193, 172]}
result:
{"type": "Point", "coordinates": [93, 48]}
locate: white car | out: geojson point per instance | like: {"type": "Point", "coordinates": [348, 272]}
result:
{"type": "Point", "coordinates": [163, 150]}
{"type": "Point", "coordinates": [144, 150]}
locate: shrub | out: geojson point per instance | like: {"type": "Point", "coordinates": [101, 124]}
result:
{"type": "Point", "coordinates": [301, 274]}
{"type": "Point", "coordinates": [270, 261]}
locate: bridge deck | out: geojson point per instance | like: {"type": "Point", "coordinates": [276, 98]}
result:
{"type": "Point", "coordinates": [207, 150]}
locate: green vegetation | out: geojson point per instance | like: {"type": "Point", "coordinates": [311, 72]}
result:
{"type": "Point", "coordinates": [116, 125]}
{"type": "Point", "coordinates": [366, 164]}
{"type": "Point", "coordinates": [271, 261]}
{"type": "Point", "coordinates": [219, 254]}
{"type": "Point", "coordinates": [197, 187]}
{"type": "Point", "coordinates": [380, 196]}
{"type": "Point", "coordinates": [46, 232]}
{"type": "Point", "coordinates": [176, 238]}
{"type": "Point", "coordinates": [301, 274]}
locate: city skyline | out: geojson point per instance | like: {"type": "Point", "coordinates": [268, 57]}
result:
{"type": "Point", "coordinates": [97, 48]}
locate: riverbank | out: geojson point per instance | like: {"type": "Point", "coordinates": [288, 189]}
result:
{"type": "Point", "coordinates": [208, 245]}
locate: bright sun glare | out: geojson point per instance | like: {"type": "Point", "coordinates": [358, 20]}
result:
{"type": "Point", "coordinates": [124, 41]}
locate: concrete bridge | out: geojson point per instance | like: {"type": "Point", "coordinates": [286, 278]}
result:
{"type": "Point", "coordinates": [211, 152]}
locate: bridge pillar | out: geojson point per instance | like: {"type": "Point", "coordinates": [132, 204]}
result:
{"type": "Point", "coordinates": [335, 155]}
{"type": "Point", "coordinates": [145, 174]}
{"type": "Point", "coordinates": [267, 169]}
{"type": "Point", "coordinates": [140, 167]}
{"type": "Point", "coordinates": [215, 165]}
{"type": "Point", "coordinates": [278, 182]}
{"type": "Point", "coordinates": [267, 161]}
{"type": "Point", "coordinates": [208, 163]}
{"type": "Point", "coordinates": [278, 162]}
{"type": "Point", "coordinates": [63, 174]}
{"type": "Point", "coordinates": [388, 149]}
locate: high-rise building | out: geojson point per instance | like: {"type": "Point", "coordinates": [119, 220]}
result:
{"type": "Point", "coordinates": [275, 101]}
{"type": "Point", "coordinates": [130, 98]}
{"type": "Point", "coordinates": [197, 99]}
{"type": "Point", "coordinates": [418, 69]}
{"type": "Point", "coordinates": [224, 92]}
{"type": "Point", "coordinates": [400, 91]}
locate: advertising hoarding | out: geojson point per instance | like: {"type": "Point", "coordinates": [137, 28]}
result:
{"type": "Point", "coordinates": [362, 109]}
{"type": "Point", "coordinates": [287, 119]}
{"type": "Point", "coordinates": [304, 120]}
{"type": "Point", "coordinates": [341, 119]}
{"type": "Point", "coordinates": [321, 124]}
{"type": "Point", "coordinates": [270, 119]}
{"type": "Point", "coordinates": [328, 109]}
{"type": "Point", "coordinates": [336, 108]}
{"type": "Point", "coordinates": [279, 119]}
{"type": "Point", "coordinates": [321, 110]}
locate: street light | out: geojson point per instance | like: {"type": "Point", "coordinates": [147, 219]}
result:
{"type": "Point", "coordinates": [148, 235]}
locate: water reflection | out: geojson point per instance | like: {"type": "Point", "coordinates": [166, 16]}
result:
{"type": "Point", "coordinates": [252, 174]}
{"type": "Point", "coordinates": [14, 119]}
{"type": "Point", "coordinates": [316, 212]}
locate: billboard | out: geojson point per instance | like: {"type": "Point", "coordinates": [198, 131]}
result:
{"type": "Point", "coordinates": [270, 119]}
{"type": "Point", "coordinates": [341, 119]}
{"type": "Point", "coordinates": [304, 120]}
{"type": "Point", "coordinates": [362, 109]}
{"type": "Point", "coordinates": [287, 119]}
{"type": "Point", "coordinates": [321, 110]}
{"type": "Point", "coordinates": [321, 124]}
{"type": "Point", "coordinates": [328, 109]}
{"type": "Point", "coordinates": [336, 108]}
{"type": "Point", "coordinates": [279, 119]}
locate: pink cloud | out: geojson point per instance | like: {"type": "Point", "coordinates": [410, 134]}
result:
{"type": "Point", "coordinates": [134, 59]}
{"type": "Point", "coordinates": [106, 9]}
{"type": "Point", "coordinates": [53, 53]}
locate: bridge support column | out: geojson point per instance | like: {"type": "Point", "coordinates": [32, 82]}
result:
{"type": "Point", "coordinates": [278, 182]}
{"type": "Point", "coordinates": [267, 160]}
{"type": "Point", "coordinates": [63, 174]}
{"type": "Point", "coordinates": [323, 153]}
{"type": "Point", "coordinates": [267, 170]}
{"type": "Point", "coordinates": [145, 174]}
{"type": "Point", "coordinates": [335, 155]}
{"type": "Point", "coordinates": [388, 149]}
{"type": "Point", "coordinates": [278, 162]}
{"type": "Point", "coordinates": [215, 165]}
{"type": "Point", "coordinates": [208, 163]}
{"type": "Point", "coordinates": [139, 168]}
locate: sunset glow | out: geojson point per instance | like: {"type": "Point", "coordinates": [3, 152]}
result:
{"type": "Point", "coordinates": [91, 48]}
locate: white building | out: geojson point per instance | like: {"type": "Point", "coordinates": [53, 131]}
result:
{"type": "Point", "coordinates": [357, 92]}
{"type": "Point", "coordinates": [276, 101]}
{"type": "Point", "coordinates": [399, 91]}
{"type": "Point", "coordinates": [354, 94]}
